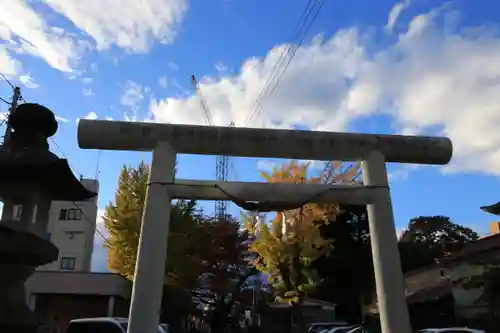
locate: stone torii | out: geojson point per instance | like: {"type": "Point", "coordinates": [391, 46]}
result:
{"type": "Point", "coordinates": [167, 140]}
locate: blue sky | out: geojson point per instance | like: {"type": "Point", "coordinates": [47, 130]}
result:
{"type": "Point", "coordinates": [414, 67]}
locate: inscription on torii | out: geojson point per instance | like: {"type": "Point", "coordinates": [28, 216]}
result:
{"type": "Point", "coordinates": [272, 143]}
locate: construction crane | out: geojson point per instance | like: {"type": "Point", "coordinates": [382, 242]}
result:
{"type": "Point", "coordinates": [221, 162]}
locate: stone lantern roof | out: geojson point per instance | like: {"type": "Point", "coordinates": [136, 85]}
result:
{"type": "Point", "coordinates": [25, 161]}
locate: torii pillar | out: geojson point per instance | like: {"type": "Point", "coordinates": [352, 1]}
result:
{"type": "Point", "coordinates": [167, 140]}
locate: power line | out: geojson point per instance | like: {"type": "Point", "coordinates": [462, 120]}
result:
{"type": "Point", "coordinates": [290, 50]}
{"type": "Point", "coordinates": [283, 55]}
{"type": "Point", "coordinates": [7, 80]}
{"type": "Point", "coordinates": [12, 86]}
{"type": "Point", "coordinates": [92, 224]}
{"type": "Point", "coordinates": [64, 156]}
{"type": "Point", "coordinates": [97, 171]}
{"type": "Point", "coordinates": [4, 100]}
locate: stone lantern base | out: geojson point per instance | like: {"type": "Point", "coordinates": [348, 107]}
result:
{"type": "Point", "coordinates": [20, 253]}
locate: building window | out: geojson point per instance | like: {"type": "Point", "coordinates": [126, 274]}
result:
{"type": "Point", "coordinates": [70, 214]}
{"type": "Point", "coordinates": [72, 234]}
{"type": "Point", "coordinates": [68, 263]}
{"type": "Point", "coordinates": [18, 211]}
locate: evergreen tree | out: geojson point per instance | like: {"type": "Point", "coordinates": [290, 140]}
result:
{"type": "Point", "coordinates": [428, 239]}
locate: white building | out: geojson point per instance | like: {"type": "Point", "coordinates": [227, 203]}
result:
{"type": "Point", "coordinates": [71, 229]}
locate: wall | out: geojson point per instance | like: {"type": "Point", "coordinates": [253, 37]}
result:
{"type": "Point", "coordinates": [72, 232]}
{"type": "Point", "coordinates": [74, 236]}
{"type": "Point", "coordinates": [57, 282]}
{"type": "Point", "coordinates": [425, 278]}
{"type": "Point", "coordinates": [469, 284]}
{"type": "Point", "coordinates": [465, 280]}
{"type": "Point", "coordinates": [57, 311]}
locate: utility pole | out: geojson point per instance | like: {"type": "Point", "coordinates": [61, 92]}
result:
{"type": "Point", "coordinates": [8, 130]}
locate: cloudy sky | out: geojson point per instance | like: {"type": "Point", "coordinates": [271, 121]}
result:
{"type": "Point", "coordinates": [414, 67]}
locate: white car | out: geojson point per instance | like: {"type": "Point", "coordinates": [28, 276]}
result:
{"type": "Point", "coordinates": [102, 325]}
{"type": "Point", "coordinates": [343, 329]}
{"type": "Point", "coordinates": [325, 327]}
{"type": "Point", "coordinates": [451, 330]}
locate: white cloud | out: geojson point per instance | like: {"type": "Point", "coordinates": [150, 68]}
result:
{"type": "Point", "coordinates": [87, 91]}
{"type": "Point", "coordinates": [221, 68]}
{"type": "Point", "coordinates": [129, 24]}
{"type": "Point", "coordinates": [402, 172]}
{"type": "Point", "coordinates": [132, 95]}
{"type": "Point", "coordinates": [35, 37]}
{"type": "Point", "coordinates": [400, 232]}
{"type": "Point", "coordinates": [8, 65]}
{"type": "Point", "coordinates": [266, 165]}
{"type": "Point", "coordinates": [62, 119]}
{"type": "Point", "coordinates": [305, 96]}
{"type": "Point", "coordinates": [163, 81]}
{"type": "Point", "coordinates": [91, 116]}
{"type": "Point", "coordinates": [100, 253]}
{"type": "Point", "coordinates": [87, 80]}
{"type": "Point", "coordinates": [395, 12]}
{"type": "Point", "coordinates": [28, 82]}
{"type": "Point", "coordinates": [172, 66]}
{"type": "Point", "coordinates": [132, 98]}
{"type": "Point", "coordinates": [432, 80]}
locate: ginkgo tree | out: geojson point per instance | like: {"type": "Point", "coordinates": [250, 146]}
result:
{"type": "Point", "coordinates": [292, 242]}
{"type": "Point", "coordinates": [203, 253]}
{"type": "Point", "coordinates": [122, 219]}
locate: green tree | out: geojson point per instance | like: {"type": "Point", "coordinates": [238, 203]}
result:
{"type": "Point", "coordinates": [428, 239]}
{"type": "Point", "coordinates": [350, 254]}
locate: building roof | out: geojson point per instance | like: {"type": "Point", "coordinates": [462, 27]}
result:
{"type": "Point", "coordinates": [479, 246]}
{"type": "Point", "coordinates": [429, 294]}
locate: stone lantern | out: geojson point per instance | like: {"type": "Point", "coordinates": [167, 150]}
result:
{"type": "Point", "coordinates": [31, 177]}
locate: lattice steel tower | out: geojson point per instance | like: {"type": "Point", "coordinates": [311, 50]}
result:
{"type": "Point", "coordinates": [221, 162]}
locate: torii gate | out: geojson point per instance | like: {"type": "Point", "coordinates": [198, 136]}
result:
{"type": "Point", "coordinates": [167, 140]}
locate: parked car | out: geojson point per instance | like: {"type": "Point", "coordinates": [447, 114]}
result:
{"type": "Point", "coordinates": [102, 325]}
{"type": "Point", "coordinates": [342, 329]}
{"type": "Point", "coordinates": [356, 329]}
{"type": "Point", "coordinates": [451, 330]}
{"type": "Point", "coordinates": [319, 327]}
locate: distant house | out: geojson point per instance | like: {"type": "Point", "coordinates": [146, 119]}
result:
{"type": "Point", "coordinates": [470, 277]}
{"type": "Point", "coordinates": [459, 286]}
{"type": "Point", "coordinates": [313, 310]}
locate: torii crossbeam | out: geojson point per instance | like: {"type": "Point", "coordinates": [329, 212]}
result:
{"type": "Point", "coordinates": [167, 140]}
